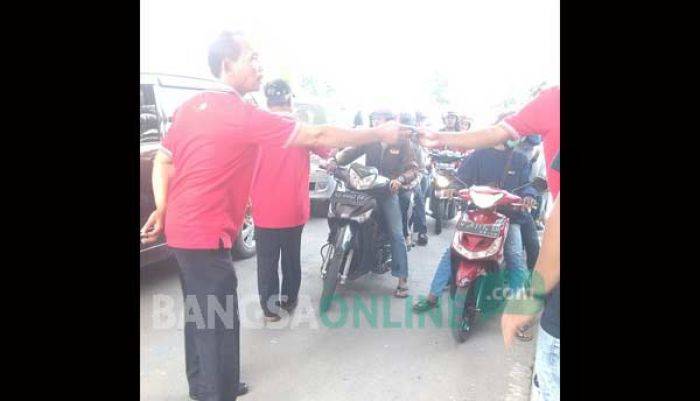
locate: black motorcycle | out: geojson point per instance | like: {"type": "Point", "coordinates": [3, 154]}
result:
{"type": "Point", "coordinates": [357, 243]}
{"type": "Point", "coordinates": [443, 165]}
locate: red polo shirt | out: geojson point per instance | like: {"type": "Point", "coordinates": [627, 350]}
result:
{"type": "Point", "coordinates": [280, 190]}
{"type": "Point", "coordinates": [540, 117]}
{"type": "Point", "coordinates": [213, 142]}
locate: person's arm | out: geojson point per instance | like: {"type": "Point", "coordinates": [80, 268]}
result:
{"type": "Point", "coordinates": [547, 266]}
{"type": "Point", "coordinates": [162, 171]}
{"type": "Point", "coordinates": [546, 276]}
{"type": "Point", "coordinates": [331, 136]}
{"type": "Point", "coordinates": [409, 164]}
{"type": "Point", "coordinates": [483, 138]}
{"type": "Point", "coordinates": [348, 155]}
{"type": "Point", "coordinates": [527, 189]}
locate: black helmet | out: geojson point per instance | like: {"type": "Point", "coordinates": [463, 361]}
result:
{"type": "Point", "coordinates": [278, 92]}
{"type": "Point", "coordinates": [407, 119]}
{"type": "Point", "coordinates": [385, 113]}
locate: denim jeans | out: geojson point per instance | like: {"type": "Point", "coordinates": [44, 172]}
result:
{"type": "Point", "coordinates": [442, 274]}
{"type": "Point", "coordinates": [514, 258]}
{"type": "Point", "coordinates": [419, 224]}
{"type": "Point", "coordinates": [531, 240]}
{"type": "Point", "coordinates": [546, 375]}
{"type": "Point", "coordinates": [392, 220]}
{"type": "Point", "coordinates": [514, 255]}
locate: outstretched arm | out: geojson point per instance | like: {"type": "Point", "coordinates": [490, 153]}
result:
{"type": "Point", "coordinates": [331, 136]}
{"type": "Point", "coordinates": [483, 138]}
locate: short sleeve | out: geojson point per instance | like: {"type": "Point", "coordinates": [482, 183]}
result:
{"type": "Point", "coordinates": [268, 129]}
{"type": "Point", "coordinates": [535, 117]}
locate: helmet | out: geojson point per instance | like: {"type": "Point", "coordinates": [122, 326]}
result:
{"type": "Point", "coordinates": [278, 92]}
{"type": "Point", "coordinates": [449, 114]}
{"type": "Point", "coordinates": [407, 118]}
{"type": "Point", "coordinates": [465, 122]}
{"type": "Point", "coordinates": [383, 113]}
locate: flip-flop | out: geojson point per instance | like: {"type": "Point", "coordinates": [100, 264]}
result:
{"type": "Point", "coordinates": [520, 335]}
{"type": "Point", "coordinates": [424, 306]}
{"type": "Point", "coordinates": [401, 292]}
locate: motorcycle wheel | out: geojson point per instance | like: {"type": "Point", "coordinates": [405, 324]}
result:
{"type": "Point", "coordinates": [464, 312]}
{"type": "Point", "coordinates": [330, 282]}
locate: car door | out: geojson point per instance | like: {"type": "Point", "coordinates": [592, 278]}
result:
{"type": "Point", "coordinates": [150, 136]}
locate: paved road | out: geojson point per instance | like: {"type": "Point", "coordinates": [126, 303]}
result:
{"type": "Point", "coordinates": [305, 358]}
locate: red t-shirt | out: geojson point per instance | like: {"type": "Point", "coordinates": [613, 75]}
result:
{"type": "Point", "coordinates": [280, 190]}
{"type": "Point", "coordinates": [540, 117]}
{"type": "Point", "coordinates": [213, 142]}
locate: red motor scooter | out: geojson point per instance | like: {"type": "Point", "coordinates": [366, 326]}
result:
{"type": "Point", "coordinates": [477, 254]}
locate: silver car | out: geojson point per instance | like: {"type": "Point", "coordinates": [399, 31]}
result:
{"type": "Point", "coordinates": [321, 185]}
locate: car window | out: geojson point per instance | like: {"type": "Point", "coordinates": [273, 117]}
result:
{"type": "Point", "coordinates": [170, 98]}
{"type": "Point", "coordinates": [150, 119]}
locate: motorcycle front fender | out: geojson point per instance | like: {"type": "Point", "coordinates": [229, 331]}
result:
{"type": "Point", "coordinates": [467, 271]}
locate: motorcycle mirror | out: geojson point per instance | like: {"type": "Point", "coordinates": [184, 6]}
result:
{"type": "Point", "coordinates": [540, 184]}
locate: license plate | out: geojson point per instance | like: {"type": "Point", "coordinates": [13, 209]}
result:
{"type": "Point", "coordinates": [349, 198]}
{"type": "Point", "coordinates": [483, 230]}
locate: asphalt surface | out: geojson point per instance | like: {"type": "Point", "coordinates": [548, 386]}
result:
{"type": "Point", "coordinates": [393, 357]}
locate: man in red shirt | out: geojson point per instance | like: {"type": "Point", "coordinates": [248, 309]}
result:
{"type": "Point", "coordinates": [201, 182]}
{"type": "Point", "coordinates": [281, 207]}
{"type": "Point", "coordinates": [539, 117]}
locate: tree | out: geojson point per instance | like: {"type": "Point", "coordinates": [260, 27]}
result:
{"type": "Point", "coordinates": [439, 87]}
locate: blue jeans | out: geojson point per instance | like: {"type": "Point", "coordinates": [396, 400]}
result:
{"type": "Point", "coordinates": [392, 220]}
{"type": "Point", "coordinates": [547, 366]}
{"type": "Point", "coordinates": [442, 275]}
{"type": "Point", "coordinates": [514, 255]}
{"type": "Point", "coordinates": [514, 258]}
{"type": "Point", "coordinates": [419, 225]}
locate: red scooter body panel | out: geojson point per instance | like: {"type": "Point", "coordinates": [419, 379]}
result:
{"type": "Point", "coordinates": [468, 271]}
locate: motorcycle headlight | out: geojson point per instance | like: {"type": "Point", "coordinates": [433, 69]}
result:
{"type": "Point", "coordinates": [359, 183]}
{"type": "Point", "coordinates": [484, 201]}
{"type": "Point", "coordinates": [441, 181]}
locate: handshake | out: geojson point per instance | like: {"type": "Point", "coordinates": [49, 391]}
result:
{"type": "Point", "coordinates": [391, 132]}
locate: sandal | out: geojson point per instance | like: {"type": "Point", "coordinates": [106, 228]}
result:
{"type": "Point", "coordinates": [522, 336]}
{"type": "Point", "coordinates": [401, 292]}
{"type": "Point", "coordinates": [424, 305]}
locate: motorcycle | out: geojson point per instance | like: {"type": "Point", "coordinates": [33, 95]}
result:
{"type": "Point", "coordinates": [357, 242]}
{"type": "Point", "coordinates": [441, 206]}
{"type": "Point", "coordinates": [477, 254]}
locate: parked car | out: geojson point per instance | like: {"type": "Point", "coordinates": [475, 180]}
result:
{"type": "Point", "coordinates": [321, 185]}
{"type": "Point", "coordinates": [161, 94]}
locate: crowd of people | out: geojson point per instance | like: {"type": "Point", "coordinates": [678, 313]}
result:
{"type": "Point", "coordinates": [221, 152]}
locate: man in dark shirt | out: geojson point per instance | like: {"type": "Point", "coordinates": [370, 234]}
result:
{"type": "Point", "coordinates": [397, 163]}
{"type": "Point", "coordinates": [498, 167]}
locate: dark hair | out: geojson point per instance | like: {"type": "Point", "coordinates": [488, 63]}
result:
{"type": "Point", "coordinates": [226, 46]}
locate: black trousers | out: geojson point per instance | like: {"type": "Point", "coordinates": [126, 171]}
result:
{"type": "Point", "coordinates": [270, 244]}
{"type": "Point", "coordinates": [212, 337]}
